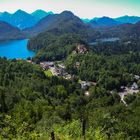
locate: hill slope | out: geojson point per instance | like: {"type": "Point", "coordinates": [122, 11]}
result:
{"type": "Point", "coordinates": [128, 19]}
{"type": "Point", "coordinates": [61, 30]}
{"type": "Point", "coordinates": [8, 32]}
{"type": "Point", "coordinates": [22, 19]}
{"type": "Point", "coordinates": [39, 14]}
{"type": "Point", "coordinates": [19, 19]}
{"type": "Point", "coordinates": [124, 31]}
{"type": "Point", "coordinates": [64, 22]}
{"type": "Point", "coordinates": [103, 22]}
{"type": "Point", "coordinates": [5, 16]}
{"type": "Point", "coordinates": [40, 26]}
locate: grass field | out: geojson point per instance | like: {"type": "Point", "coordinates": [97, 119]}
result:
{"type": "Point", "coordinates": [48, 73]}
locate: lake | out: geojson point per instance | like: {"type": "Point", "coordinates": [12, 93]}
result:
{"type": "Point", "coordinates": [15, 49]}
{"type": "Point", "coordinates": [105, 40]}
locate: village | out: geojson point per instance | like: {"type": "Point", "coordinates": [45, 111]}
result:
{"type": "Point", "coordinates": [57, 68]}
{"type": "Point", "coordinates": [60, 70]}
{"type": "Point", "coordinates": [133, 89]}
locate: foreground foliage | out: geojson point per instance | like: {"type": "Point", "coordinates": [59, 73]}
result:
{"type": "Point", "coordinates": [33, 106]}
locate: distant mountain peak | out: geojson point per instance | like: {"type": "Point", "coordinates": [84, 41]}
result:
{"type": "Point", "coordinates": [125, 16]}
{"type": "Point", "coordinates": [20, 12]}
{"type": "Point", "coordinates": [6, 13]}
{"type": "Point", "coordinates": [39, 11]}
{"type": "Point", "coordinates": [128, 19]}
{"type": "Point", "coordinates": [39, 14]}
{"type": "Point", "coordinates": [105, 18]}
{"type": "Point", "coordinates": [85, 20]}
{"type": "Point", "coordinates": [103, 22]}
{"type": "Point", "coordinates": [66, 12]}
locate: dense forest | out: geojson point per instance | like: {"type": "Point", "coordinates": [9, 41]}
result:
{"type": "Point", "coordinates": [111, 72]}
{"type": "Point", "coordinates": [34, 106]}
{"type": "Point", "coordinates": [56, 47]}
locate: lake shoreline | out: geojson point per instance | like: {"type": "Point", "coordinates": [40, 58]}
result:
{"type": "Point", "coordinates": [16, 49]}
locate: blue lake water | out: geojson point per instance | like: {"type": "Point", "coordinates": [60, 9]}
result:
{"type": "Point", "coordinates": [15, 49]}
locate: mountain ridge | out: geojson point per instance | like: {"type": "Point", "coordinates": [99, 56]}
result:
{"type": "Point", "coordinates": [19, 18]}
{"type": "Point", "coordinates": [39, 14]}
{"type": "Point", "coordinates": [103, 22]}
{"type": "Point", "coordinates": [63, 22]}
{"type": "Point", "coordinates": [9, 32]}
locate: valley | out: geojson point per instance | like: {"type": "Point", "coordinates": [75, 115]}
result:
{"type": "Point", "coordinates": [64, 78]}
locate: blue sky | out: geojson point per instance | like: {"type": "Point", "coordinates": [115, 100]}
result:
{"type": "Point", "coordinates": [82, 8]}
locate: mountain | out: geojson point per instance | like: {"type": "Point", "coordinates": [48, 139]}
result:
{"type": "Point", "coordinates": [63, 30]}
{"type": "Point", "coordinates": [39, 14]}
{"type": "Point", "coordinates": [103, 22]}
{"type": "Point", "coordinates": [85, 20]}
{"type": "Point", "coordinates": [95, 18]}
{"type": "Point", "coordinates": [68, 22]}
{"type": "Point", "coordinates": [41, 26]}
{"type": "Point", "coordinates": [134, 31]}
{"type": "Point", "coordinates": [124, 31]}
{"type": "Point", "coordinates": [64, 22]}
{"type": "Point", "coordinates": [109, 22]}
{"type": "Point", "coordinates": [8, 32]}
{"type": "Point", "coordinates": [61, 23]}
{"type": "Point", "coordinates": [94, 24]}
{"type": "Point", "coordinates": [128, 19]}
{"type": "Point", "coordinates": [22, 19]}
{"type": "Point", "coordinates": [5, 16]}
{"type": "Point", "coordinates": [19, 19]}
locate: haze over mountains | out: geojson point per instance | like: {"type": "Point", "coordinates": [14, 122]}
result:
{"type": "Point", "coordinates": [60, 23]}
{"type": "Point", "coordinates": [23, 24]}
{"type": "Point", "coordinates": [66, 26]}
{"type": "Point", "coordinates": [8, 32]}
{"type": "Point", "coordinates": [108, 22]}
{"type": "Point", "coordinates": [39, 14]}
{"type": "Point", "coordinates": [22, 19]}
{"type": "Point", "coordinates": [128, 19]}
{"type": "Point", "coordinates": [103, 22]}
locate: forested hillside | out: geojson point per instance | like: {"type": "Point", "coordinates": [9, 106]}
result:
{"type": "Point", "coordinates": [37, 107]}
{"type": "Point", "coordinates": [64, 31]}
{"type": "Point", "coordinates": [110, 72]}
{"type": "Point", "coordinates": [124, 31]}
{"type": "Point", "coordinates": [65, 22]}
{"type": "Point", "coordinates": [76, 87]}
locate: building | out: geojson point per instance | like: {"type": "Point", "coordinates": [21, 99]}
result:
{"type": "Point", "coordinates": [81, 49]}
{"type": "Point", "coordinates": [45, 65]}
{"type": "Point", "coordinates": [134, 86]}
{"type": "Point", "coordinates": [137, 77]}
{"type": "Point", "coordinates": [85, 84]}
{"type": "Point", "coordinates": [87, 93]}
{"type": "Point", "coordinates": [61, 66]}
